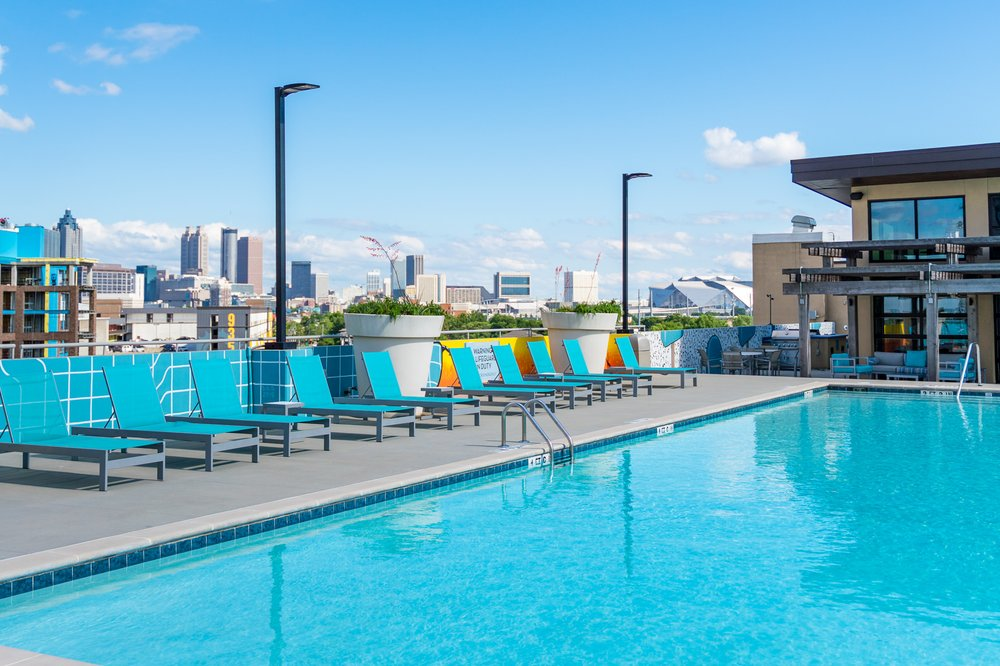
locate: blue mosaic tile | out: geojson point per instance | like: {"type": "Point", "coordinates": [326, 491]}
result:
{"type": "Point", "coordinates": [60, 576]}
{"type": "Point", "coordinates": [168, 549]}
{"type": "Point", "coordinates": [22, 585]}
{"type": "Point", "coordinates": [150, 554]}
{"type": "Point", "coordinates": [184, 546]}
{"type": "Point", "coordinates": [6, 590]}
{"type": "Point", "coordinates": [255, 528]}
{"type": "Point", "coordinates": [83, 570]}
{"type": "Point", "coordinates": [242, 531]}
{"type": "Point", "coordinates": [133, 558]}
{"type": "Point", "coordinates": [100, 566]}
{"type": "Point", "coordinates": [42, 580]}
{"type": "Point", "coordinates": [212, 538]}
{"type": "Point", "coordinates": [227, 534]}
{"type": "Point", "coordinates": [117, 562]}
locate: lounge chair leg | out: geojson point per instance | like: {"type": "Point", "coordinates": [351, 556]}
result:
{"type": "Point", "coordinates": [477, 418]}
{"type": "Point", "coordinates": [24, 460]}
{"type": "Point", "coordinates": [161, 467]}
{"type": "Point", "coordinates": [327, 440]}
{"type": "Point", "coordinates": [413, 428]}
{"type": "Point", "coordinates": [286, 442]}
{"type": "Point", "coordinates": [255, 453]}
{"type": "Point", "coordinates": [103, 479]}
{"type": "Point", "coordinates": [208, 458]}
{"type": "Point", "coordinates": [378, 428]}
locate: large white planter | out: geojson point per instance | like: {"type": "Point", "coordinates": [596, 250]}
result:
{"type": "Point", "coordinates": [592, 330]}
{"type": "Point", "coordinates": [409, 339]}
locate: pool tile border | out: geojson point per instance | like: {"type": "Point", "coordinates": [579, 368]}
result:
{"type": "Point", "coordinates": [101, 565]}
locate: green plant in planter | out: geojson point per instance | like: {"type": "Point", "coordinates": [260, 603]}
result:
{"type": "Point", "coordinates": [608, 307]}
{"type": "Point", "coordinates": [395, 308]}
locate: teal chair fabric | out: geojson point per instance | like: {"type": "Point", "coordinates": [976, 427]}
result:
{"type": "Point", "coordinates": [216, 387]}
{"type": "Point", "coordinates": [629, 359]}
{"type": "Point", "coordinates": [511, 373]}
{"type": "Point", "coordinates": [714, 352]}
{"type": "Point", "coordinates": [574, 353]}
{"type": "Point", "coordinates": [134, 397]}
{"type": "Point", "coordinates": [311, 387]}
{"type": "Point", "coordinates": [34, 412]}
{"type": "Point", "coordinates": [539, 351]}
{"type": "Point", "coordinates": [465, 367]}
{"type": "Point", "coordinates": [382, 376]}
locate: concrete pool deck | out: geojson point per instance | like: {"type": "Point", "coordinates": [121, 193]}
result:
{"type": "Point", "coordinates": [53, 516]}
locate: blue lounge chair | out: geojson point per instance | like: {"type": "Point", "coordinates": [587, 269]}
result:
{"type": "Point", "coordinates": [219, 402]}
{"type": "Point", "coordinates": [386, 391]}
{"type": "Point", "coordinates": [846, 367]}
{"type": "Point", "coordinates": [312, 390]}
{"type": "Point", "coordinates": [34, 423]}
{"type": "Point", "coordinates": [510, 373]}
{"type": "Point", "coordinates": [631, 363]}
{"type": "Point", "coordinates": [135, 406]}
{"type": "Point", "coordinates": [471, 384]}
{"type": "Point", "coordinates": [577, 369]}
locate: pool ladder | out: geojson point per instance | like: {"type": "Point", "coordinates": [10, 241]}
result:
{"type": "Point", "coordinates": [965, 368]}
{"type": "Point", "coordinates": [527, 414]}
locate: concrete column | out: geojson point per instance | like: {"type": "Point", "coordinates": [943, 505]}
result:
{"type": "Point", "coordinates": [805, 352]}
{"type": "Point", "coordinates": [972, 314]}
{"type": "Point", "coordinates": [933, 336]}
{"type": "Point", "coordinates": [852, 326]}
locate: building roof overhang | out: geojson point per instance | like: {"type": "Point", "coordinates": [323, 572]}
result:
{"type": "Point", "coordinates": [834, 177]}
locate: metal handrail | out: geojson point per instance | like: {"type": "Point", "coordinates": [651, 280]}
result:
{"type": "Point", "coordinates": [965, 368]}
{"type": "Point", "coordinates": [527, 416]}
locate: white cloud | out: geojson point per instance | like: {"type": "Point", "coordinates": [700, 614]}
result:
{"type": "Point", "coordinates": [739, 260]}
{"type": "Point", "coordinates": [3, 51]}
{"type": "Point", "coordinates": [725, 150]}
{"type": "Point", "coordinates": [110, 88]}
{"type": "Point", "coordinates": [57, 47]}
{"type": "Point", "coordinates": [3, 90]}
{"type": "Point", "coordinates": [74, 13]}
{"type": "Point", "coordinates": [149, 40]}
{"type": "Point", "coordinates": [67, 89]}
{"type": "Point", "coordinates": [8, 121]}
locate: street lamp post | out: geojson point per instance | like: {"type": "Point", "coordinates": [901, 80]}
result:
{"type": "Point", "coordinates": [770, 299]}
{"type": "Point", "coordinates": [280, 93]}
{"type": "Point", "coordinates": [625, 178]}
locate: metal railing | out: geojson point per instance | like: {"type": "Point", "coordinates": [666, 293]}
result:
{"type": "Point", "coordinates": [527, 415]}
{"type": "Point", "coordinates": [965, 368]}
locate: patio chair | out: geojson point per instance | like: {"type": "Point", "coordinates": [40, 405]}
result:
{"type": "Point", "coordinates": [471, 384]}
{"type": "Point", "coordinates": [768, 363]}
{"type": "Point", "coordinates": [510, 374]}
{"type": "Point", "coordinates": [311, 389]}
{"type": "Point", "coordinates": [732, 362]}
{"type": "Point", "coordinates": [578, 366]}
{"type": "Point", "coordinates": [135, 406]}
{"type": "Point", "coordinates": [386, 391]}
{"type": "Point", "coordinates": [544, 369]}
{"type": "Point", "coordinates": [631, 363]}
{"type": "Point", "coordinates": [219, 402]}
{"type": "Point", "coordinates": [848, 367]}
{"type": "Point", "coordinates": [34, 423]}
{"type": "Point", "coordinates": [708, 363]}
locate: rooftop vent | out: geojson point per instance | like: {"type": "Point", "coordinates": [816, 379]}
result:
{"type": "Point", "coordinates": [803, 224]}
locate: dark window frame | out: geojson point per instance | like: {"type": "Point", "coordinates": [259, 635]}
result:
{"type": "Point", "coordinates": [876, 256]}
{"type": "Point", "coordinates": [918, 312]}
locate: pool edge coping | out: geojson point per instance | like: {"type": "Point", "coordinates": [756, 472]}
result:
{"type": "Point", "coordinates": [31, 572]}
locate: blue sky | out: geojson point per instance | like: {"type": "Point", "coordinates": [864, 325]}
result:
{"type": "Point", "coordinates": [486, 135]}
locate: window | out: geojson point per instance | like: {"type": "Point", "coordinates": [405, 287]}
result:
{"type": "Point", "coordinates": [901, 219]}
{"type": "Point", "coordinates": [901, 323]}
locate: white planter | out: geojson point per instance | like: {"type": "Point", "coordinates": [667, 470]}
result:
{"type": "Point", "coordinates": [409, 339]}
{"type": "Point", "coordinates": [592, 331]}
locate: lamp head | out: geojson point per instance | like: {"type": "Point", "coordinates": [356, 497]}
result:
{"type": "Point", "coordinates": [630, 176]}
{"type": "Point", "coordinates": [291, 88]}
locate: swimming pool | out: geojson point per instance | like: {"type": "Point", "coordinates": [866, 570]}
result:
{"type": "Point", "coordinates": [842, 527]}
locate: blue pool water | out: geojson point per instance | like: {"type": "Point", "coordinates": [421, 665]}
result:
{"type": "Point", "coordinates": [840, 528]}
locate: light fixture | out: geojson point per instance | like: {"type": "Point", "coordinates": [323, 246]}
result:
{"type": "Point", "coordinates": [857, 196]}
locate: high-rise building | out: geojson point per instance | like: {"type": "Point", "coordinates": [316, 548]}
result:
{"type": "Point", "coordinates": [430, 288]}
{"type": "Point", "coordinates": [194, 252]}
{"type": "Point", "coordinates": [511, 285]}
{"type": "Point", "coordinates": [320, 285]}
{"type": "Point", "coordinates": [301, 280]}
{"type": "Point", "coordinates": [580, 287]}
{"type": "Point", "coordinates": [227, 268]}
{"type": "Point", "coordinates": [414, 267]}
{"type": "Point", "coordinates": [373, 283]}
{"type": "Point", "coordinates": [397, 279]}
{"type": "Point", "coordinates": [459, 294]}
{"type": "Point", "coordinates": [116, 282]}
{"type": "Point", "coordinates": [70, 236]}
{"type": "Point", "coordinates": [250, 262]}
{"type": "Point", "coordinates": [151, 282]}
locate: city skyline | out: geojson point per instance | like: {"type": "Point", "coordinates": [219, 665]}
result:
{"type": "Point", "coordinates": [506, 159]}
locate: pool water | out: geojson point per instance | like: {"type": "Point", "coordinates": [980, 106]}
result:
{"type": "Point", "coordinates": [839, 528]}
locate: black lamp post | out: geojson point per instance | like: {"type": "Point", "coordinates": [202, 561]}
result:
{"type": "Point", "coordinates": [625, 178]}
{"type": "Point", "coordinates": [280, 93]}
{"type": "Point", "coordinates": [770, 299]}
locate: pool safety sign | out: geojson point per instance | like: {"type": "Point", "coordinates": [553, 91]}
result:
{"type": "Point", "coordinates": [485, 361]}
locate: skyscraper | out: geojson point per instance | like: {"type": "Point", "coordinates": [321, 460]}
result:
{"type": "Point", "coordinates": [66, 239]}
{"type": "Point", "coordinates": [227, 269]}
{"type": "Point", "coordinates": [320, 285]}
{"type": "Point", "coordinates": [301, 280]}
{"type": "Point", "coordinates": [397, 286]}
{"type": "Point", "coordinates": [373, 282]}
{"type": "Point", "coordinates": [414, 267]}
{"type": "Point", "coordinates": [580, 287]}
{"type": "Point", "coordinates": [250, 262]}
{"type": "Point", "coordinates": [149, 277]}
{"type": "Point", "coordinates": [194, 252]}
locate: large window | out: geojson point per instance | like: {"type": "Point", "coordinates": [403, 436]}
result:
{"type": "Point", "coordinates": [901, 324]}
{"type": "Point", "coordinates": [903, 219]}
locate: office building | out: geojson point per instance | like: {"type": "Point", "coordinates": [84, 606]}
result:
{"type": "Point", "coordinates": [151, 282]}
{"type": "Point", "coordinates": [471, 295]}
{"type": "Point", "coordinates": [301, 286]}
{"type": "Point", "coordinates": [373, 283]}
{"type": "Point", "coordinates": [512, 286]}
{"type": "Point", "coordinates": [397, 277]}
{"type": "Point", "coordinates": [430, 288]}
{"type": "Point", "coordinates": [320, 286]}
{"type": "Point", "coordinates": [116, 282]}
{"type": "Point", "coordinates": [580, 287]}
{"type": "Point", "coordinates": [194, 252]}
{"type": "Point", "coordinates": [250, 262]}
{"type": "Point", "coordinates": [227, 258]}
{"type": "Point", "coordinates": [414, 267]}
{"type": "Point", "coordinates": [70, 236]}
